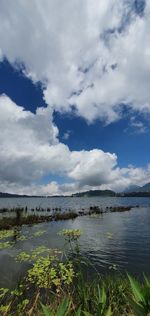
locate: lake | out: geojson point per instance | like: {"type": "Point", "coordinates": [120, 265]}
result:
{"type": "Point", "coordinates": [73, 203]}
{"type": "Point", "coordinates": [110, 241]}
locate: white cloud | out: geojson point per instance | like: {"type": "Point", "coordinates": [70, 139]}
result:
{"type": "Point", "coordinates": [93, 167]}
{"type": "Point", "coordinates": [28, 143]}
{"type": "Point", "coordinates": [77, 52]}
{"type": "Point", "coordinates": [66, 135]}
{"type": "Point", "coordinates": [29, 149]}
{"type": "Point", "coordinates": [136, 126]}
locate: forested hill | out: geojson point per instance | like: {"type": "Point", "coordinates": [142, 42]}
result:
{"type": "Point", "coordinates": [95, 193]}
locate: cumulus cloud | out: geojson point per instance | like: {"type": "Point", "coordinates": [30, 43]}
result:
{"type": "Point", "coordinates": [93, 167]}
{"type": "Point", "coordinates": [30, 149]}
{"type": "Point", "coordinates": [92, 55]}
{"type": "Point", "coordinates": [28, 143]}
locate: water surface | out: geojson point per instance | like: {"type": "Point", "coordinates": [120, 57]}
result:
{"type": "Point", "coordinates": [120, 239]}
{"type": "Point", "coordinates": [73, 203]}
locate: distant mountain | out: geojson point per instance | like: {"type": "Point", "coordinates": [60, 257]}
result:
{"type": "Point", "coordinates": [11, 195]}
{"type": "Point", "coordinates": [3, 195]}
{"type": "Point", "coordinates": [132, 188]}
{"type": "Point", "coordinates": [135, 190]}
{"type": "Point", "coordinates": [95, 193]}
{"type": "Point", "coordinates": [145, 188]}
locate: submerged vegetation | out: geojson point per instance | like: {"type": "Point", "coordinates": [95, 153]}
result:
{"type": "Point", "coordinates": [55, 285]}
{"type": "Point", "coordinates": [24, 217]}
{"type": "Point", "coordinates": [9, 222]}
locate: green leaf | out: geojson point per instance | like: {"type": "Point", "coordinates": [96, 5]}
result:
{"type": "Point", "coordinates": [138, 310]}
{"type": "Point", "coordinates": [103, 297]}
{"type": "Point", "coordinates": [108, 312]}
{"type": "Point", "coordinates": [46, 311]}
{"type": "Point", "coordinates": [87, 313]}
{"type": "Point", "coordinates": [136, 290]}
{"type": "Point", "coordinates": [147, 281]}
{"type": "Point", "coordinates": [78, 312]}
{"type": "Point", "coordinates": [63, 308]}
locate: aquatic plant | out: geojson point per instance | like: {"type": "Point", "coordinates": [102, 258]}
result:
{"type": "Point", "coordinates": [113, 267]}
{"type": "Point", "coordinates": [95, 210]}
{"type": "Point", "coordinates": [65, 216]}
{"type": "Point", "coordinates": [9, 222]}
{"type": "Point", "coordinates": [72, 237]}
{"type": "Point", "coordinates": [3, 292]}
{"type": "Point", "coordinates": [39, 233]}
{"type": "Point", "coordinates": [23, 256]}
{"type": "Point", "coordinates": [120, 208]}
{"type": "Point", "coordinates": [109, 235]}
{"type": "Point", "coordinates": [48, 272]}
{"type": "Point", "coordinates": [6, 234]}
{"type": "Point", "coordinates": [35, 254]}
{"type": "Point", "coordinates": [6, 244]}
{"type": "Point", "coordinates": [22, 218]}
{"type": "Point", "coordinates": [23, 238]}
{"type": "Point", "coordinates": [71, 234]}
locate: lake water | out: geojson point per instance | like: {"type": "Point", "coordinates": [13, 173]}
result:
{"type": "Point", "coordinates": [72, 203]}
{"type": "Point", "coordinates": [120, 239]}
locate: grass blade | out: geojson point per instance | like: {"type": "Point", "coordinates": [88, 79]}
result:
{"type": "Point", "coordinates": [108, 312]}
{"type": "Point", "coordinates": [138, 309]}
{"type": "Point", "coordinates": [63, 308]}
{"type": "Point", "coordinates": [78, 312]}
{"type": "Point", "coordinates": [46, 311]}
{"type": "Point", "coordinates": [147, 281]}
{"type": "Point", "coordinates": [87, 313]}
{"type": "Point", "coordinates": [136, 290]}
{"type": "Point", "coordinates": [103, 297]}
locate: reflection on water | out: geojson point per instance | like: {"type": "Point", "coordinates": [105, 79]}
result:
{"type": "Point", "coordinates": [110, 241]}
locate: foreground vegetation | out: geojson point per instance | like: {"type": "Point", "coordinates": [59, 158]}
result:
{"type": "Point", "coordinates": [59, 284]}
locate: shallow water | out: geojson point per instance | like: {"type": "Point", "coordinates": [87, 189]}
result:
{"type": "Point", "coordinates": [122, 239]}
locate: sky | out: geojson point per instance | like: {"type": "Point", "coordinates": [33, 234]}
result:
{"type": "Point", "coordinates": [74, 95]}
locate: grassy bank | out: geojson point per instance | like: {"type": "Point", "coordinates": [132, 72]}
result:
{"type": "Point", "coordinates": [56, 284]}
{"type": "Point", "coordinates": [101, 297]}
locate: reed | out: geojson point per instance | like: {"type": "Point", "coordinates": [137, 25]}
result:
{"type": "Point", "coordinates": [23, 217]}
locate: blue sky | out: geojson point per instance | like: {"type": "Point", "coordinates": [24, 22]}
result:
{"type": "Point", "coordinates": [119, 137]}
{"type": "Point", "coordinates": [92, 130]}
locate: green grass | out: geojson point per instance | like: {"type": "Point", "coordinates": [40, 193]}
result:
{"type": "Point", "coordinates": [106, 296]}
